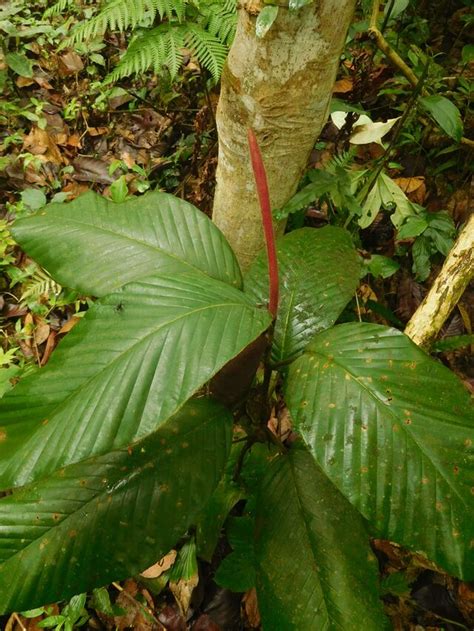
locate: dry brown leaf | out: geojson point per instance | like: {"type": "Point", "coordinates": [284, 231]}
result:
{"type": "Point", "coordinates": [365, 293]}
{"type": "Point", "coordinates": [50, 345]}
{"type": "Point", "coordinates": [413, 187]}
{"type": "Point", "coordinates": [92, 170]}
{"type": "Point", "coordinates": [161, 566]}
{"type": "Point", "coordinates": [183, 591]}
{"type": "Point", "coordinates": [70, 63]}
{"type": "Point", "coordinates": [24, 82]}
{"type": "Point", "coordinates": [41, 332]}
{"type": "Point", "coordinates": [74, 189]}
{"type": "Point", "coordinates": [97, 131]}
{"type": "Point", "coordinates": [343, 86]}
{"type": "Point", "coordinates": [40, 143]}
{"type": "Point", "coordinates": [251, 608]}
{"type": "Point", "coordinates": [43, 83]}
{"type": "Point", "coordinates": [67, 326]}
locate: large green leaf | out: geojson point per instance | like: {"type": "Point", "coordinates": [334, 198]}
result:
{"type": "Point", "coordinates": [315, 569]}
{"type": "Point", "coordinates": [109, 517]}
{"type": "Point", "coordinates": [133, 360]}
{"type": "Point", "coordinates": [393, 429]}
{"type": "Point", "coordinates": [445, 113]}
{"type": "Point", "coordinates": [319, 273]}
{"type": "Point", "coordinates": [95, 245]}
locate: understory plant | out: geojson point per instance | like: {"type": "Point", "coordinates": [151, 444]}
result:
{"type": "Point", "coordinates": [161, 31]}
{"type": "Point", "coordinates": [150, 423]}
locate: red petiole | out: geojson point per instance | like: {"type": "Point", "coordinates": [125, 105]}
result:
{"type": "Point", "coordinates": [264, 199]}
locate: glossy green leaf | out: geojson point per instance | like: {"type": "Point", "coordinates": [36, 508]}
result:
{"type": "Point", "coordinates": [315, 569]}
{"type": "Point", "coordinates": [393, 429]}
{"type": "Point", "coordinates": [214, 514]}
{"type": "Point", "coordinates": [445, 113]}
{"type": "Point", "coordinates": [237, 571]}
{"type": "Point", "coordinates": [380, 266]}
{"type": "Point", "coordinates": [94, 245]}
{"type": "Point", "coordinates": [319, 273]}
{"type": "Point", "coordinates": [109, 517]}
{"type": "Point", "coordinates": [132, 361]}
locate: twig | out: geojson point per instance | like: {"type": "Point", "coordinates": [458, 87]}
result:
{"type": "Point", "coordinates": [385, 47]}
{"type": "Point", "coordinates": [14, 617]}
{"type": "Point", "coordinates": [394, 57]}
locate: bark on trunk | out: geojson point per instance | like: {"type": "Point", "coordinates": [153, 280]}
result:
{"type": "Point", "coordinates": [280, 86]}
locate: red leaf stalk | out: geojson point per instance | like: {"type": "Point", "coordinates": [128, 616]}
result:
{"type": "Point", "coordinates": [264, 199]}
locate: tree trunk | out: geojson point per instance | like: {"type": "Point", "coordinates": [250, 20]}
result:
{"type": "Point", "coordinates": [279, 85]}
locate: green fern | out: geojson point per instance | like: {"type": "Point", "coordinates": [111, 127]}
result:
{"type": "Point", "coordinates": [157, 49]}
{"type": "Point", "coordinates": [121, 15]}
{"type": "Point", "coordinates": [162, 48]}
{"type": "Point", "coordinates": [343, 160]}
{"type": "Point", "coordinates": [206, 28]}
{"type": "Point", "coordinates": [58, 8]}
{"type": "Point", "coordinates": [220, 19]}
{"type": "Point", "coordinates": [210, 52]}
{"type": "Point", "coordinates": [39, 284]}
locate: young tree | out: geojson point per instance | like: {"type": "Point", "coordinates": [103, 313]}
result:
{"type": "Point", "coordinates": [280, 85]}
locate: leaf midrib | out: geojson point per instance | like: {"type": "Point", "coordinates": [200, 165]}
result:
{"type": "Point", "coordinates": [307, 527]}
{"type": "Point", "coordinates": [125, 237]}
{"type": "Point", "coordinates": [33, 426]}
{"type": "Point", "coordinates": [396, 418]}
{"type": "Point", "coordinates": [131, 474]}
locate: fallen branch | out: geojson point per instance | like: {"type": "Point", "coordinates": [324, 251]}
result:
{"type": "Point", "coordinates": [446, 291]}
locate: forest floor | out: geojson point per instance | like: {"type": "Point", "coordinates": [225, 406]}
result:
{"type": "Point", "coordinates": [62, 133]}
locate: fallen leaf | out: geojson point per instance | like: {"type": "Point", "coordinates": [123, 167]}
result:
{"type": "Point", "coordinates": [97, 131]}
{"type": "Point", "coordinates": [343, 86]}
{"type": "Point", "coordinates": [50, 345]}
{"type": "Point", "coordinates": [24, 82]}
{"type": "Point", "coordinates": [251, 608]}
{"type": "Point", "coordinates": [74, 189]}
{"type": "Point", "coordinates": [40, 143]}
{"type": "Point", "coordinates": [92, 170]}
{"type": "Point", "coordinates": [41, 332]}
{"type": "Point", "coordinates": [161, 566]}
{"type": "Point", "coordinates": [182, 590]}
{"type": "Point", "coordinates": [70, 63]}
{"type": "Point", "coordinates": [413, 187]}
{"type": "Point", "coordinates": [67, 326]}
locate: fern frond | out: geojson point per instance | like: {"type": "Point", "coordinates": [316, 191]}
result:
{"type": "Point", "coordinates": [344, 160]}
{"type": "Point", "coordinates": [210, 52]}
{"type": "Point", "coordinates": [220, 19]}
{"type": "Point", "coordinates": [40, 284]}
{"type": "Point", "coordinates": [162, 47]}
{"type": "Point", "coordinates": [127, 14]}
{"type": "Point", "coordinates": [57, 8]}
{"type": "Point", "coordinates": [157, 49]}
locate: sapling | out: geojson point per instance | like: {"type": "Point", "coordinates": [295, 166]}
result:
{"type": "Point", "coordinates": [116, 451]}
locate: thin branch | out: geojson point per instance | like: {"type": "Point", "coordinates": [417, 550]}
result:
{"type": "Point", "coordinates": [395, 58]}
{"type": "Point", "coordinates": [264, 199]}
{"type": "Point", "coordinates": [446, 291]}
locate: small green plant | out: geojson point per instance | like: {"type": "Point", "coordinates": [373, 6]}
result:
{"type": "Point", "coordinates": [72, 616]}
{"type": "Point", "coordinates": [122, 447]}
{"type": "Point", "coordinates": [205, 28]}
